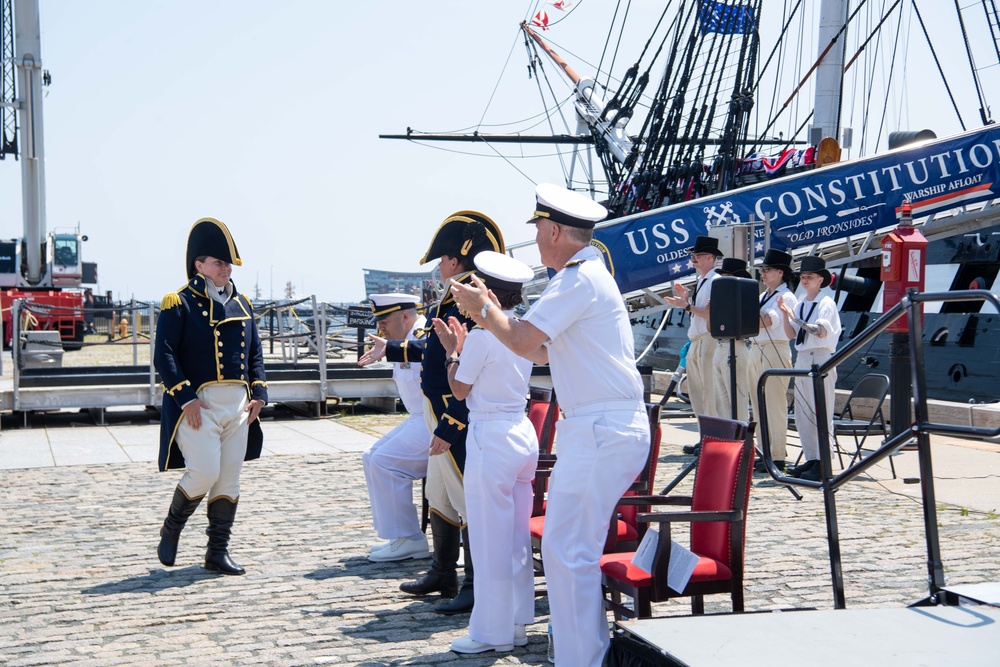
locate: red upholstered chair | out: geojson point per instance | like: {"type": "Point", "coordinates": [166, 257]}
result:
{"type": "Point", "coordinates": [543, 412]}
{"type": "Point", "coordinates": [623, 530]}
{"type": "Point", "coordinates": [718, 530]}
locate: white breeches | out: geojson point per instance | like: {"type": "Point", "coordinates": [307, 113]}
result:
{"type": "Point", "coordinates": [213, 454]}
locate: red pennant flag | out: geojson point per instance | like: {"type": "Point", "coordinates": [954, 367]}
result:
{"type": "Point", "coordinates": [541, 20]}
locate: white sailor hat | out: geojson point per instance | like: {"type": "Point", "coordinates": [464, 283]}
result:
{"type": "Point", "coordinates": [386, 304]}
{"type": "Point", "coordinates": [566, 207]}
{"type": "Point", "coordinates": [501, 271]}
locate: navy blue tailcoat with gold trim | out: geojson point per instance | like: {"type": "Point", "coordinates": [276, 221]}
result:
{"type": "Point", "coordinates": [199, 342]}
{"type": "Point", "coordinates": [452, 415]}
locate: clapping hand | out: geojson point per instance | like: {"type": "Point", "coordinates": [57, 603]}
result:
{"type": "Point", "coordinates": [451, 334]}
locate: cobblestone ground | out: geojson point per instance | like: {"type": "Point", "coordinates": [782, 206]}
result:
{"type": "Point", "coordinates": [82, 586]}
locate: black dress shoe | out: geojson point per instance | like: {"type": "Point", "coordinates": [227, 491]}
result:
{"type": "Point", "coordinates": [812, 474]}
{"type": "Point", "coordinates": [691, 449]}
{"type": "Point", "coordinates": [799, 469]}
{"type": "Point", "coordinates": [760, 466]}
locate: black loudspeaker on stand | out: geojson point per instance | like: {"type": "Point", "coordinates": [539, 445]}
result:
{"type": "Point", "coordinates": [734, 313]}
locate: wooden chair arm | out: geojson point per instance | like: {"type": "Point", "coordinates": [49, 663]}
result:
{"type": "Point", "coordinates": [689, 517]}
{"type": "Point", "coordinates": [655, 500]}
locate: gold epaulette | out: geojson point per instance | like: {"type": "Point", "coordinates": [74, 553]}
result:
{"type": "Point", "coordinates": [421, 333]}
{"type": "Point", "coordinates": [171, 300]}
{"type": "Point", "coordinates": [575, 262]}
{"type": "Point", "coordinates": [247, 298]}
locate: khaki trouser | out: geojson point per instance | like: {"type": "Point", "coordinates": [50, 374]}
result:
{"type": "Point", "coordinates": [763, 355]}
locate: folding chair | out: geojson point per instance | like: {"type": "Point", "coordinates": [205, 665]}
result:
{"type": "Point", "coordinates": [871, 387]}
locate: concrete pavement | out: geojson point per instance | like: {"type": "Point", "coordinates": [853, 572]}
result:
{"type": "Point", "coordinates": [80, 507]}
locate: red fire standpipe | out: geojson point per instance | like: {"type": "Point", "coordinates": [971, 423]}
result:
{"type": "Point", "coordinates": [904, 260]}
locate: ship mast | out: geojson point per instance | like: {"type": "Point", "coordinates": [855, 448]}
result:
{"type": "Point", "coordinates": [829, 70]}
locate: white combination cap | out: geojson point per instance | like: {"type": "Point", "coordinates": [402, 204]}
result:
{"type": "Point", "coordinates": [501, 271]}
{"type": "Point", "coordinates": [566, 207]}
{"type": "Point", "coordinates": [384, 304]}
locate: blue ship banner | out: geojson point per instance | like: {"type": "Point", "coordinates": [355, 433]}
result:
{"type": "Point", "coordinates": [817, 206]}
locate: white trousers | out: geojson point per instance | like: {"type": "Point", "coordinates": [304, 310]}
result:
{"type": "Point", "coordinates": [701, 375]}
{"type": "Point", "coordinates": [213, 454]}
{"type": "Point", "coordinates": [600, 456]}
{"type": "Point", "coordinates": [805, 407]}
{"type": "Point", "coordinates": [720, 365]}
{"type": "Point", "coordinates": [501, 456]}
{"type": "Point", "coordinates": [763, 355]}
{"type": "Point", "coordinates": [390, 466]}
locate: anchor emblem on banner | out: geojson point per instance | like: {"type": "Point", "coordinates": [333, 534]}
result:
{"type": "Point", "coordinates": [714, 217]}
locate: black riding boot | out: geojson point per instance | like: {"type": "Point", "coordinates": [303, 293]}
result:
{"type": "Point", "coordinates": [181, 507]}
{"type": "Point", "coordinates": [221, 513]}
{"type": "Point", "coordinates": [442, 576]}
{"type": "Point", "coordinates": [462, 603]}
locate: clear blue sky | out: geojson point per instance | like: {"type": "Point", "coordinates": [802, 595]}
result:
{"type": "Point", "coordinates": [266, 116]}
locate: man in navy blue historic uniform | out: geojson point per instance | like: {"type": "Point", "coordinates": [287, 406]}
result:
{"type": "Point", "coordinates": [211, 362]}
{"type": "Point", "coordinates": [458, 240]}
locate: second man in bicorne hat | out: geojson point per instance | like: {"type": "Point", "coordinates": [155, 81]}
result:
{"type": "Point", "coordinates": [458, 240]}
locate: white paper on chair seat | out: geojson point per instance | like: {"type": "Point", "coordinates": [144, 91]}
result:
{"type": "Point", "coordinates": [682, 560]}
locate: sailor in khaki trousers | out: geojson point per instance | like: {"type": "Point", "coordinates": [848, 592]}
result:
{"type": "Point", "coordinates": [209, 356]}
{"type": "Point", "coordinates": [701, 354]}
{"type": "Point", "coordinates": [771, 349]}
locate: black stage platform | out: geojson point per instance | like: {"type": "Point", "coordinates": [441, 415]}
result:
{"type": "Point", "coordinates": [910, 636]}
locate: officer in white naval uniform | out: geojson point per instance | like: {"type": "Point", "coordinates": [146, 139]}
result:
{"type": "Point", "coordinates": [771, 349]}
{"type": "Point", "coordinates": [501, 456]}
{"type": "Point", "coordinates": [701, 354]}
{"type": "Point", "coordinates": [579, 326]}
{"type": "Point", "coordinates": [815, 325]}
{"type": "Point", "coordinates": [399, 457]}
{"type": "Point", "coordinates": [731, 266]}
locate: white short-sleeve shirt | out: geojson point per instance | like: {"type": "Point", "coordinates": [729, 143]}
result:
{"type": "Point", "coordinates": [499, 378]}
{"type": "Point", "coordinates": [699, 325]}
{"type": "Point", "coordinates": [826, 315]}
{"type": "Point", "coordinates": [591, 347]}
{"type": "Point", "coordinates": [769, 306]}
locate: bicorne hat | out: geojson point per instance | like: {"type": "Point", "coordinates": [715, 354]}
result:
{"type": "Point", "coordinates": [732, 266]}
{"type": "Point", "coordinates": [386, 304]}
{"type": "Point", "coordinates": [566, 207]}
{"type": "Point", "coordinates": [817, 265]}
{"type": "Point", "coordinates": [210, 238]}
{"type": "Point", "coordinates": [464, 234]}
{"type": "Point", "coordinates": [501, 271]}
{"type": "Point", "coordinates": [706, 244]}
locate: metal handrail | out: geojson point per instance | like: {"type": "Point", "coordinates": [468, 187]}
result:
{"type": "Point", "coordinates": [910, 305]}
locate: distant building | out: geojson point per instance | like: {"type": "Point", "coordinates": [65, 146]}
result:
{"type": "Point", "coordinates": [424, 284]}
